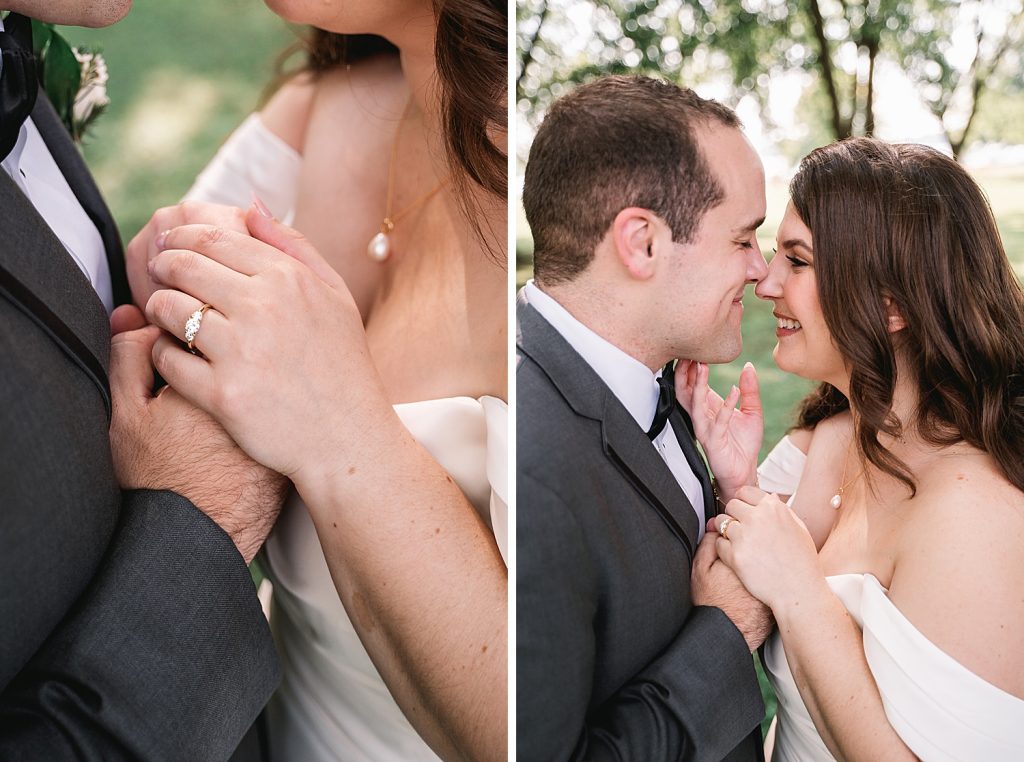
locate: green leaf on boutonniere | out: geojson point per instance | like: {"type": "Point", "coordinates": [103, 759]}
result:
{"type": "Point", "coordinates": [61, 74]}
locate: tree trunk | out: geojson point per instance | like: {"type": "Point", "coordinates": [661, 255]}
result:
{"type": "Point", "coordinates": [840, 129]}
{"type": "Point", "coordinates": [869, 107]}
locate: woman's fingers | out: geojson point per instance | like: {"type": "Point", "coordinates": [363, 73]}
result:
{"type": "Point", "coordinates": [727, 408]}
{"type": "Point", "coordinates": [684, 389]}
{"type": "Point", "coordinates": [171, 310]}
{"type": "Point", "coordinates": [199, 276]}
{"type": "Point", "coordinates": [750, 390]}
{"type": "Point", "coordinates": [290, 241]}
{"type": "Point", "coordinates": [240, 252]}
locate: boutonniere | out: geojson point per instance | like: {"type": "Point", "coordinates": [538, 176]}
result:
{"type": "Point", "coordinates": [75, 79]}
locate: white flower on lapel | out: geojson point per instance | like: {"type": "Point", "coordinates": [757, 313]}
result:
{"type": "Point", "coordinates": [91, 98]}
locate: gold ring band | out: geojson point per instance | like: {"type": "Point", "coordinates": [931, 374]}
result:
{"type": "Point", "coordinates": [723, 528]}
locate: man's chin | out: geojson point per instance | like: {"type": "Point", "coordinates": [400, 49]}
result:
{"type": "Point", "coordinates": [94, 15]}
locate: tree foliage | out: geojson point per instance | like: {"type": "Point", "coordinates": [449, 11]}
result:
{"type": "Point", "coordinates": [749, 42]}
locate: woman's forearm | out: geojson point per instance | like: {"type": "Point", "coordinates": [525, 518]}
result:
{"type": "Point", "coordinates": [825, 651]}
{"type": "Point", "coordinates": [424, 585]}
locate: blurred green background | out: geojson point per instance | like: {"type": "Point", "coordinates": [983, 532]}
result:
{"type": "Point", "coordinates": [183, 75]}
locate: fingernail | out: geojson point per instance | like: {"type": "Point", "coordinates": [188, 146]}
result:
{"type": "Point", "coordinates": [161, 240]}
{"type": "Point", "coordinates": [748, 364]}
{"type": "Point", "coordinates": [261, 207]}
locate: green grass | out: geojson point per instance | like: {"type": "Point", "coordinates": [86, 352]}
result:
{"type": "Point", "coordinates": [183, 74]}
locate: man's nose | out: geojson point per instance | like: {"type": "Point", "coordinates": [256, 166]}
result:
{"type": "Point", "coordinates": [757, 268]}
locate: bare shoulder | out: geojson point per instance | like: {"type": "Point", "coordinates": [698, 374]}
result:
{"type": "Point", "coordinates": [801, 439]}
{"type": "Point", "coordinates": [959, 569]}
{"type": "Point", "coordinates": [359, 97]}
{"type": "Point", "coordinates": [829, 439]}
{"type": "Point", "coordinates": [286, 114]}
{"type": "Point", "coordinates": [364, 95]}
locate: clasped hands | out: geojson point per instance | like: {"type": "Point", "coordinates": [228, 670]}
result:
{"type": "Point", "coordinates": [283, 356]}
{"type": "Point", "coordinates": [766, 551]}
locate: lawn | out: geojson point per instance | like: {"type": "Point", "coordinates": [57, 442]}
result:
{"type": "Point", "coordinates": [182, 75]}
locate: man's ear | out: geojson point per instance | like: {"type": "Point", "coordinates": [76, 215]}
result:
{"type": "Point", "coordinates": [633, 235]}
{"type": "Point", "coordinates": [895, 319]}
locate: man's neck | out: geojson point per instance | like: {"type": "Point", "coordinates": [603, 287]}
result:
{"type": "Point", "coordinates": [614, 325]}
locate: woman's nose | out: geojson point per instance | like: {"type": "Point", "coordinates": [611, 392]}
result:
{"type": "Point", "coordinates": [770, 286]}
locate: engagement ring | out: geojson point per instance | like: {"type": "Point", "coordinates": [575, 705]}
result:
{"type": "Point", "coordinates": [192, 325]}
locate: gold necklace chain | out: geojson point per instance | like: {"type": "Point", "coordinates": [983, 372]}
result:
{"type": "Point", "coordinates": [837, 499]}
{"type": "Point", "coordinates": [379, 248]}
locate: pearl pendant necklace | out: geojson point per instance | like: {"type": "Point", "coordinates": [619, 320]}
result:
{"type": "Point", "coordinates": [380, 247]}
{"type": "Point", "coordinates": [837, 499]}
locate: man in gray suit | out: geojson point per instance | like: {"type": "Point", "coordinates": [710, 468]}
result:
{"type": "Point", "coordinates": [643, 200]}
{"type": "Point", "coordinates": [129, 623]}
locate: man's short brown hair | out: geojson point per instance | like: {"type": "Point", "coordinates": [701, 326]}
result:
{"type": "Point", "coordinates": [610, 144]}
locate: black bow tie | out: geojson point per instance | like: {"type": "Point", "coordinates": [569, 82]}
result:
{"type": "Point", "coordinates": [666, 401]}
{"type": "Point", "coordinates": [18, 82]}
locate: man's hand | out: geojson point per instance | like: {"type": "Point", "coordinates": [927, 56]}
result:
{"type": "Point", "coordinates": [163, 442]}
{"type": "Point", "coordinates": [143, 246]}
{"type": "Point", "coordinates": [715, 584]}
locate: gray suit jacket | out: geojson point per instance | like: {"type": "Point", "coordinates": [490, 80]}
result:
{"type": "Point", "coordinates": [129, 624]}
{"type": "Point", "coordinates": [614, 661]}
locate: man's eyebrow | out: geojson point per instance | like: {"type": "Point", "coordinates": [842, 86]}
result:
{"type": "Point", "coordinates": [750, 226]}
{"type": "Point", "coordinates": [797, 242]}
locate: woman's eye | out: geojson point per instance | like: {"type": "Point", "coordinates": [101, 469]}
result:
{"type": "Point", "coordinates": [745, 244]}
{"type": "Point", "coordinates": [796, 261]}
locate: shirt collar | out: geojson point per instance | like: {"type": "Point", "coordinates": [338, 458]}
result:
{"type": "Point", "coordinates": [632, 382]}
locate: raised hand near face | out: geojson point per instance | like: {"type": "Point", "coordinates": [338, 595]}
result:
{"type": "Point", "coordinates": [163, 442]}
{"type": "Point", "coordinates": [768, 547]}
{"type": "Point", "coordinates": [715, 584]}
{"type": "Point", "coordinates": [143, 247]}
{"type": "Point", "coordinates": [731, 436]}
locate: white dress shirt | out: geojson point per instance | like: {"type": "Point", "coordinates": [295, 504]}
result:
{"type": "Point", "coordinates": [33, 170]}
{"type": "Point", "coordinates": [633, 384]}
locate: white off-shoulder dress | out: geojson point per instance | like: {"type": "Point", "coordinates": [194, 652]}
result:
{"type": "Point", "coordinates": [332, 703]}
{"type": "Point", "coordinates": [941, 710]}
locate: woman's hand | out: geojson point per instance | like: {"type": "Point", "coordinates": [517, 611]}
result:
{"type": "Point", "coordinates": [731, 437]}
{"type": "Point", "coordinates": [143, 248]}
{"type": "Point", "coordinates": [768, 547]}
{"type": "Point", "coordinates": [285, 366]}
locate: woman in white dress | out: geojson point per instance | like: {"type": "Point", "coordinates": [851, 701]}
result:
{"type": "Point", "coordinates": [896, 571]}
{"type": "Point", "coordinates": [369, 369]}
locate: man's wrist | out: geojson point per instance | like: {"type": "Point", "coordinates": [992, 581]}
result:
{"type": "Point", "coordinates": [725, 490]}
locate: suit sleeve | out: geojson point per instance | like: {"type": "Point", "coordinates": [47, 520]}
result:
{"type": "Point", "coordinates": [167, 655]}
{"type": "Point", "coordinates": [698, 700]}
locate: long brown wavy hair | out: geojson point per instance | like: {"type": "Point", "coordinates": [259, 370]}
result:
{"type": "Point", "coordinates": [906, 223]}
{"type": "Point", "coordinates": [471, 56]}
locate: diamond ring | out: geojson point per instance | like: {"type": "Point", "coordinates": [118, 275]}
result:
{"type": "Point", "coordinates": [723, 529]}
{"type": "Point", "coordinates": [192, 325]}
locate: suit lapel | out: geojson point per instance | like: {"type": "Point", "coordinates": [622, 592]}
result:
{"type": "Point", "coordinates": [624, 443]}
{"type": "Point", "coordinates": [73, 167]}
{"type": "Point", "coordinates": [683, 428]}
{"type": "Point", "coordinates": [40, 278]}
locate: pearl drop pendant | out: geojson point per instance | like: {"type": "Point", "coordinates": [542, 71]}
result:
{"type": "Point", "coordinates": [380, 247]}
{"type": "Point", "coordinates": [836, 501]}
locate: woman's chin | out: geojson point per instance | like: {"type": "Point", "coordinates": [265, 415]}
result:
{"type": "Point", "coordinates": [784, 362]}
